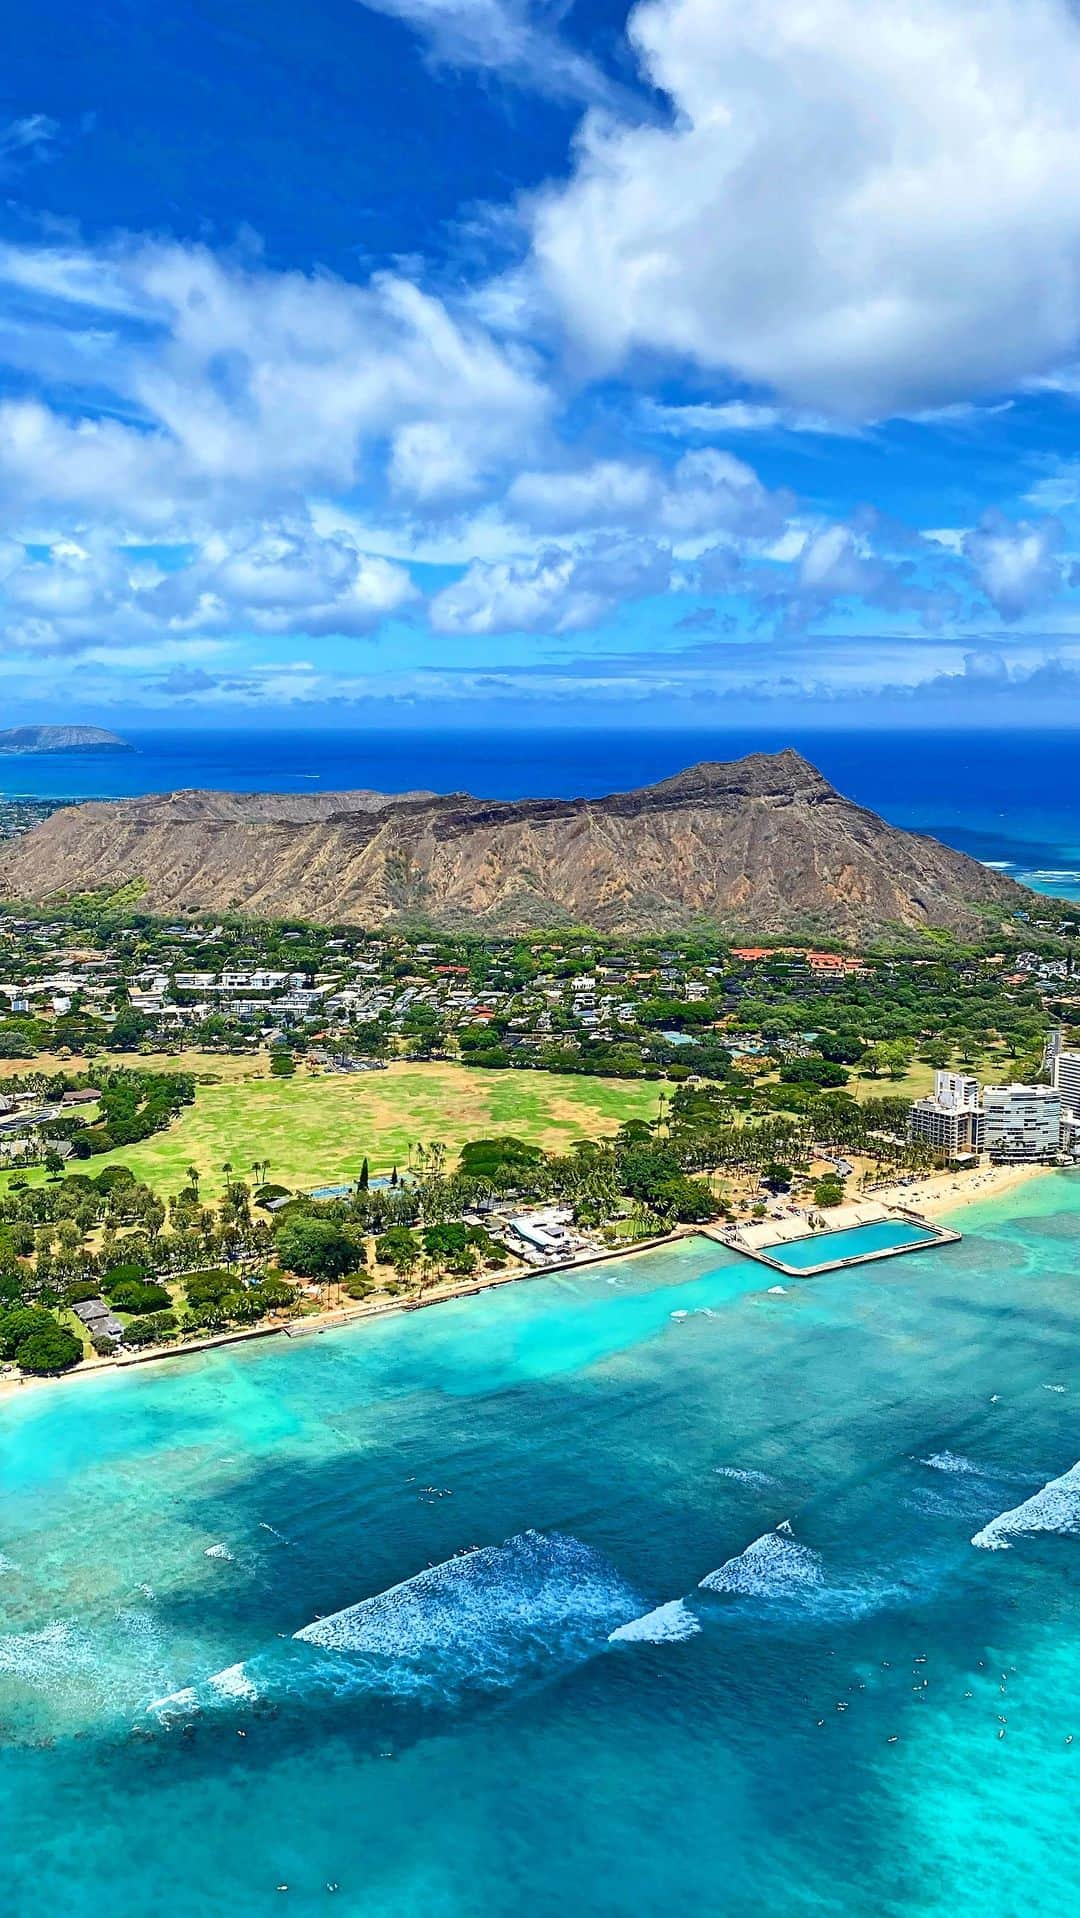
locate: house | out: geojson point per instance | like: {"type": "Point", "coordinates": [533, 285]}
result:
{"type": "Point", "coordinates": [98, 1320]}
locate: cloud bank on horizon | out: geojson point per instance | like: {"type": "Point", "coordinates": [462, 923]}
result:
{"type": "Point", "coordinates": [701, 352]}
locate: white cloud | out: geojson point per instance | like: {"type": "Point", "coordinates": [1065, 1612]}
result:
{"type": "Point", "coordinates": [705, 494]}
{"type": "Point", "coordinates": [281, 578]}
{"type": "Point", "coordinates": [427, 462]}
{"type": "Point", "coordinates": [868, 561]}
{"type": "Point", "coordinates": [1017, 563]}
{"type": "Point", "coordinates": [244, 389]}
{"type": "Point", "coordinates": [558, 591]}
{"type": "Point", "coordinates": [86, 469]}
{"type": "Point", "coordinates": [1058, 488]}
{"type": "Point", "coordinates": [711, 419]}
{"type": "Point", "coordinates": [710, 492]}
{"type": "Point", "coordinates": [866, 210]}
{"type": "Point", "coordinates": [25, 140]}
{"type": "Point", "coordinates": [284, 578]}
{"type": "Point", "coordinates": [508, 37]}
{"type": "Point", "coordinates": [605, 493]}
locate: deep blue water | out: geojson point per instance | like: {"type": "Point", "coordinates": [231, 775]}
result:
{"type": "Point", "coordinates": [1007, 798]}
{"type": "Point", "coordinates": [636, 1591]}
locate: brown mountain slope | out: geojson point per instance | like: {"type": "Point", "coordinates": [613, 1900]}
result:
{"type": "Point", "coordinates": [763, 844]}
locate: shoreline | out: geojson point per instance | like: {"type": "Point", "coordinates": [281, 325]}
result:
{"type": "Point", "coordinates": [357, 1312]}
{"type": "Point", "coordinates": [937, 1193]}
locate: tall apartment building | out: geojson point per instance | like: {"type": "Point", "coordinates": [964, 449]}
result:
{"type": "Point", "coordinates": [950, 1121]}
{"type": "Point", "coordinates": [1021, 1122]}
{"type": "Point", "coordinates": [1066, 1069]}
{"type": "Point", "coordinates": [958, 1091]}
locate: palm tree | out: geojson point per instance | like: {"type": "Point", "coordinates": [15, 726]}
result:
{"type": "Point", "coordinates": [193, 1179]}
{"type": "Point", "coordinates": [227, 1169]}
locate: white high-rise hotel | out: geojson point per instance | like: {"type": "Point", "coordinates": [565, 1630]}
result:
{"type": "Point", "coordinates": [950, 1121]}
{"type": "Point", "coordinates": [1008, 1122]}
{"type": "Point", "coordinates": [1021, 1122]}
{"type": "Point", "coordinates": [1066, 1069]}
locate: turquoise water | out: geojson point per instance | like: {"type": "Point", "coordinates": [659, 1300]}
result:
{"type": "Point", "coordinates": [854, 1242]}
{"type": "Point", "coordinates": [635, 1591]}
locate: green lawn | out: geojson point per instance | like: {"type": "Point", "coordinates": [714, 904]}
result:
{"type": "Point", "coordinates": [318, 1130]}
{"type": "Point", "coordinates": [991, 1067]}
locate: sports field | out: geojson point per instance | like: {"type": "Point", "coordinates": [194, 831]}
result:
{"type": "Point", "coordinates": [314, 1130]}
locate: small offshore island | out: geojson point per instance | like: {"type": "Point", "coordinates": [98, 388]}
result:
{"type": "Point", "coordinates": [24, 740]}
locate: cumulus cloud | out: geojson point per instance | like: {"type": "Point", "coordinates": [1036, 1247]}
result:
{"type": "Point", "coordinates": [557, 591]}
{"type": "Point", "coordinates": [233, 388]}
{"type": "Point", "coordinates": [856, 561]}
{"type": "Point", "coordinates": [267, 579]}
{"type": "Point", "coordinates": [706, 493]}
{"type": "Point", "coordinates": [865, 210]}
{"type": "Point", "coordinates": [1017, 563]}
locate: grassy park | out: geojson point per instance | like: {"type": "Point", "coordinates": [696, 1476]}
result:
{"type": "Point", "coordinates": [314, 1129]}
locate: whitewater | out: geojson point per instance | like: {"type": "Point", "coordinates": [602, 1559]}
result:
{"type": "Point", "coordinates": [717, 1617]}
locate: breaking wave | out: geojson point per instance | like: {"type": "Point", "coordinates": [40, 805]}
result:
{"type": "Point", "coordinates": [174, 1705]}
{"type": "Point", "coordinates": [789, 1581]}
{"type": "Point", "coordinates": [217, 1551]}
{"type": "Point", "coordinates": [45, 1658]}
{"type": "Point", "coordinates": [953, 1462]}
{"type": "Point", "coordinates": [667, 1625]}
{"type": "Point", "coordinates": [1054, 1508]}
{"type": "Point", "coordinates": [481, 1620]}
{"type": "Point", "coordinates": [745, 1475]}
{"type": "Point", "coordinates": [772, 1567]}
{"type": "Point", "coordinates": [234, 1683]}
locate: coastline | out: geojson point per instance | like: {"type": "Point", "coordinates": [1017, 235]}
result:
{"type": "Point", "coordinates": [336, 1316]}
{"type": "Point", "coordinates": [942, 1192]}
{"type": "Point", "coordinates": [937, 1193]}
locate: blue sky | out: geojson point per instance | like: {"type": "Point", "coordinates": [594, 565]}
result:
{"type": "Point", "coordinates": [524, 363]}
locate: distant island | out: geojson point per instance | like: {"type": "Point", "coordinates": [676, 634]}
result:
{"type": "Point", "coordinates": [62, 739]}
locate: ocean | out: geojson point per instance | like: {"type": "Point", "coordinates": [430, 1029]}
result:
{"type": "Point", "coordinates": [1005, 798]}
{"type": "Point", "coordinates": [639, 1590]}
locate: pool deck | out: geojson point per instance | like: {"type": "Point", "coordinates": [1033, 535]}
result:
{"type": "Point", "coordinates": [765, 1239]}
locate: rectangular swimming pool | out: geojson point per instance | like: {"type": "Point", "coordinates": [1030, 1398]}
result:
{"type": "Point", "coordinates": [825, 1249]}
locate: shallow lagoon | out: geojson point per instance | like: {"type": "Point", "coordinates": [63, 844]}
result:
{"type": "Point", "coordinates": [490, 1522]}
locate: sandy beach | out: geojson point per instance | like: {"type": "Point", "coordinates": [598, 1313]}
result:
{"type": "Point", "coordinates": [945, 1191]}
{"type": "Point", "coordinates": [937, 1193]}
{"type": "Point", "coordinates": [348, 1312]}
